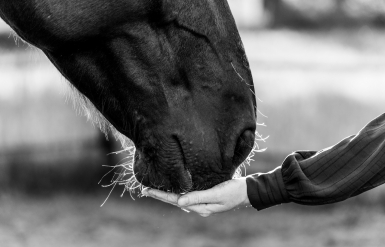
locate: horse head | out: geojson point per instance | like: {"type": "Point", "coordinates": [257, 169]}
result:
{"type": "Point", "coordinates": [171, 75]}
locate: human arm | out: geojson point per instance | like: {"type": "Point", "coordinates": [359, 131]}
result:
{"type": "Point", "coordinates": [351, 167]}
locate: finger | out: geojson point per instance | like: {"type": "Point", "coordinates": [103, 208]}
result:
{"type": "Point", "coordinates": [209, 196]}
{"type": "Point", "coordinates": [205, 210]}
{"type": "Point", "coordinates": [162, 196]}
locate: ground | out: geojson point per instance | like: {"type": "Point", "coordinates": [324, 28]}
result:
{"type": "Point", "coordinates": [73, 221]}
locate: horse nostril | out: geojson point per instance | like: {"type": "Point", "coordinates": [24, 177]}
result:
{"type": "Point", "coordinates": [243, 147]}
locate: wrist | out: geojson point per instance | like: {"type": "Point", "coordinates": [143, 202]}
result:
{"type": "Point", "coordinates": [243, 192]}
{"type": "Point", "coordinates": [266, 189]}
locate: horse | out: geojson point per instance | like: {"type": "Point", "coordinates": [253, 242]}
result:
{"type": "Point", "coordinates": [170, 75]}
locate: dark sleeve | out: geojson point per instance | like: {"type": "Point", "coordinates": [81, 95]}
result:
{"type": "Point", "coordinates": [353, 166]}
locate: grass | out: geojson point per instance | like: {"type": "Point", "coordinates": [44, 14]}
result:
{"type": "Point", "coordinates": [74, 220]}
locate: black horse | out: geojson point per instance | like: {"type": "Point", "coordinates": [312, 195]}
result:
{"type": "Point", "coordinates": [171, 75]}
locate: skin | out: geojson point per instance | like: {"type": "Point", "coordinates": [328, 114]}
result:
{"type": "Point", "coordinates": [221, 198]}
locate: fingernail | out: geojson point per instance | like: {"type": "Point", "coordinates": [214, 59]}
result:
{"type": "Point", "coordinates": [187, 211]}
{"type": "Point", "coordinates": [183, 201]}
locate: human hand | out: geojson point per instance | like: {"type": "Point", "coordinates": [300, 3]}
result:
{"type": "Point", "coordinates": [221, 198]}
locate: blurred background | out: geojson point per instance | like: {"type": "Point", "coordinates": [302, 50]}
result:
{"type": "Point", "coordinates": [319, 73]}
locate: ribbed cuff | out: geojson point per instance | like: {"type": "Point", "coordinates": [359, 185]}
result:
{"type": "Point", "coordinates": [266, 189]}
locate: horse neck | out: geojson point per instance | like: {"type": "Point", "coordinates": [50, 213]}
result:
{"type": "Point", "coordinates": [49, 24]}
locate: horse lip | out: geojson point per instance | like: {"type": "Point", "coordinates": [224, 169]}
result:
{"type": "Point", "coordinates": [244, 142]}
{"type": "Point", "coordinates": [179, 180]}
{"type": "Point", "coordinates": [185, 178]}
